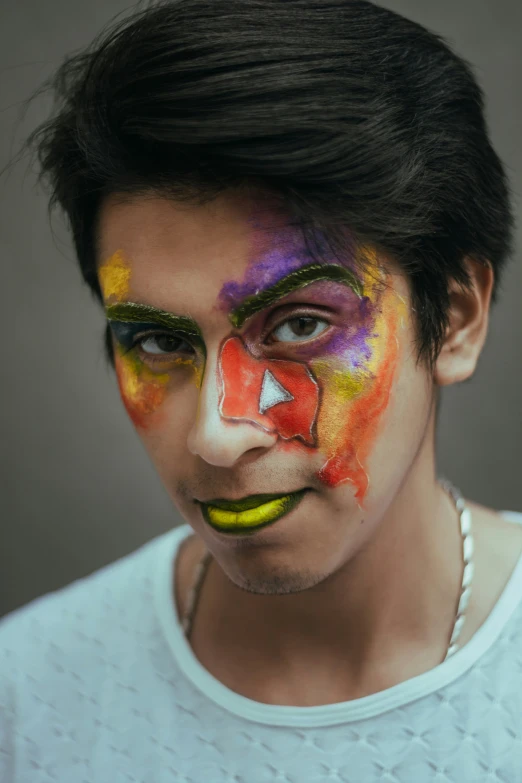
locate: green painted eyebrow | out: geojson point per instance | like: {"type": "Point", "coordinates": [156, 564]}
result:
{"type": "Point", "coordinates": [297, 279]}
{"type": "Point", "coordinates": [139, 313]}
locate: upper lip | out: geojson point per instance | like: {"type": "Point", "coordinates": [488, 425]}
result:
{"type": "Point", "coordinates": [254, 500]}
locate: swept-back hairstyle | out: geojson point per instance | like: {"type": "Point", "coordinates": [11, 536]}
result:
{"type": "Point", "coordinates": [356, 116]}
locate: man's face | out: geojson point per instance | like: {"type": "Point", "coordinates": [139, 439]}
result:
{"type": "Point", "coordinates": [278, 397]}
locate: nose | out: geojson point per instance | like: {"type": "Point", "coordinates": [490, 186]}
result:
{"type": "Point", "coordinates": [220, 441]}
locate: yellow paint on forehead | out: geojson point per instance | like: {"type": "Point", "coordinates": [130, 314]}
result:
{"type": "Point", "coordinates": [114, 276]}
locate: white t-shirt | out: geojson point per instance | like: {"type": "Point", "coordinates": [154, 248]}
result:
{"type": "Point", "coordinates": [99, 685]}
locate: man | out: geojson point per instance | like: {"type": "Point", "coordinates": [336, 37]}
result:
{"type": "Point", "coordinates": [295, 223]}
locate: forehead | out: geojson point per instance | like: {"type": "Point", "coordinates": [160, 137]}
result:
{"type": "Point", "coordinates": [166, 240]}
{"type": "Point", "coordinates": [195, 256]}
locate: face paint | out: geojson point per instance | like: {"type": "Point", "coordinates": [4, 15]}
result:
{"type": "Point", "coordinates": [114, 277]}
{"type": "Point", "coordinates": [356, 385]}
{"type": "Point", "coordinates": [142, 389]}
{"type": "Point", "coordinates": [273, 264]}
{"type": "Point", "coordinates": [295, 280]}
{"type": "Point", "coordinates": [351, 374]}
{"type": "Point", "coordinates": [277, 396]}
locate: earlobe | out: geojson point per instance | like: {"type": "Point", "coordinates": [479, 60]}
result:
{"type": "Point", "coordinates": [467, 328]}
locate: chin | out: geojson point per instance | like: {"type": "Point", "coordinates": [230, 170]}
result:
{"type": "Point", "coordinates": [276, 582]}
{"type": "Point", "coordinates": [285, 566]}
{"type": "Point", "coordinates": [295, 553]}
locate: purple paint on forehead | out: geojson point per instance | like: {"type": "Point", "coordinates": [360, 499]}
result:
{"type": "Point", "coordinates": [271, 264]}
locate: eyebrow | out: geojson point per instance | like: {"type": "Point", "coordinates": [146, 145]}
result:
{"type": "Point", "coordinates": [299, 278]}
{"type": "Point", "coordinates": [133, 312]}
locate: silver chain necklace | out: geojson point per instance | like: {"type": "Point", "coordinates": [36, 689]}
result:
{"type": "Point", "coordinates": [465, 591]}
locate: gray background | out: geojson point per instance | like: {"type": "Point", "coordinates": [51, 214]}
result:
{"type": "Point", "coordinates": [78, 490]}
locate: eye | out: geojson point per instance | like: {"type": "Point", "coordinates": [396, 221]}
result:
{"type": "Point", "coordinates": [160, 344]}
{"type": "Point", "coordinates": [299, 329]}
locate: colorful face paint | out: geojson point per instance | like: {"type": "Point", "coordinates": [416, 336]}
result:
{"type": "Point", "coordinates": [134, 313]}
{"type": "Point", "coordinates": [275, 262]}
{"type": "Point", "coordinates": [356, 382]}
{"type": "Point", "coordinates": [114, 277]}
{"type": "Point", "coordinates": [277, 396]}
{"type": "Point", "coordinates": [350, 373]}
{"type": "Point", "coordinates": [142, 389]}
{"type": "Point", "coordinates": [299, 278]}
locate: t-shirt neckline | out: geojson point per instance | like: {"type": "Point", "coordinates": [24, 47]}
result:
{"type": "Point", "coordinates": [327, 714]}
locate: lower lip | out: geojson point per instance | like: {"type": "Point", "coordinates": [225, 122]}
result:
{"type": "Point", "coordinates": [245, 522]}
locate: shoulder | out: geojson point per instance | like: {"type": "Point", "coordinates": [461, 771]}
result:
{"type": "Point", "coordinates": [498, 534]}
{"type": "Point", "coordinates": [512, 517]}
{"type": "Point", "coordinates": [497, 553]}
{"type": "Point", "coordinates": [79, 665]}
{"type": "Point", "coordinates": [73, 627]}
{"type": "Point", "coordinates": [502, 530]}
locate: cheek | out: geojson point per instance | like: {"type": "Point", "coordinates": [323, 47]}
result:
{"type": "Point", "coordinates": [356, 389]}
{"type": "Point", "coordinates": [141, 391]}
{"type": "Point", "coordinates": [144, 392]}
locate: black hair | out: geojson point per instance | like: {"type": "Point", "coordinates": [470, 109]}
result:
{"type": "Point", "coordinates": [356, 116]}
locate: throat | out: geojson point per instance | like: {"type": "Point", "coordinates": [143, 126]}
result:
{"type": "Point", "coordinates": [257, 657]}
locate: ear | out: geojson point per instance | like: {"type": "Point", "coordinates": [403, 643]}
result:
{"type": "Point", "coordinates": [468, 326]}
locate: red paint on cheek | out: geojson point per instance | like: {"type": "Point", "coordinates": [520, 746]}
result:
{"type": "Point", "coordinates": [361, 428]}
{"type": "Point", "coordinates": [140, 398]}
{"type": "Point", "coordinates": [279, 396]}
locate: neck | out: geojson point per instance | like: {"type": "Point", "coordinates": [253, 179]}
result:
{"type": "Point", "coordinates": [395, 600]}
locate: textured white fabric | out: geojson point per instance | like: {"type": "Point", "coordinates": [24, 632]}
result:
{"type": "Point", "coordinates": [98, 685]}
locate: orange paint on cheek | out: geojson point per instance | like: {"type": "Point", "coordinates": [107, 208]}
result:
{"type": "Point", "coordinates": [354, 400]}
{"type": "Point", "coordinates": [144, 391]}
{"type": "Point", "coordinates": [355, 440]}
{"type": "Point", "coordinates": [141, 390]}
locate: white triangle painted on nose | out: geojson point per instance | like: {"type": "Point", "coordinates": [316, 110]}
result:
{"type": "Point", "coordinates": [272, 393]}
